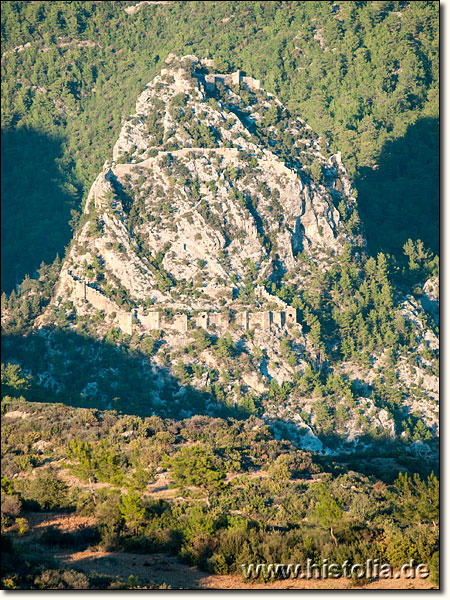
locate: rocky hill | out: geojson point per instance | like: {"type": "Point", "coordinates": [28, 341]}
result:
{"type": "Point", "coordinates": [203, 191]}
{"type": "Point", "coordinates": [221, 243]}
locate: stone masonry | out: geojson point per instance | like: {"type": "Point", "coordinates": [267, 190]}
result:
{"type": "Point", "coordinates": [156, 320]}
{"type": "Point", "coordinates": [231, 79]}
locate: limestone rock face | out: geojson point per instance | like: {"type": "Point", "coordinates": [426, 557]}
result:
{"type": "Point", "coordinates": [211, 182]}
{"type": "Point", "coordinates": [430, 297]}
{"type": "Point", "coordinates": [213, 196]}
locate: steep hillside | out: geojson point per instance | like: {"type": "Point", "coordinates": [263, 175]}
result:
{"type": "Point", "coordinates": [365, 75]}
{"type": "Point", "coordinates": [210, 183]}
{"type": "Point", "coordinates": [220, 247]}
{"type": "Point", "coordinates": [234, 356]}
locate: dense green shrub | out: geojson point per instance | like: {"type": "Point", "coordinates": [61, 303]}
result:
{"type": "Point", "coordinates": [48, 490]}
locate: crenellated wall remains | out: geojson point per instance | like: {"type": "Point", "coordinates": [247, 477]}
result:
{"type": "Point", "coordinates": [242, 319]}
{"type": "Point", "coordinates": [151, 320]}
{"type": "Point", "coordinates": [155, 320]}
{"type": "Point", "coordinates": [230, 79]}
{"type": "Point", "coordinates": [180, 323]}
{"type": "Point", "coordinates": [208, 320]}
{"type": "Point", "coordinates": [220, 320]}
{"type": "Point", "coordinates": [262, 320]}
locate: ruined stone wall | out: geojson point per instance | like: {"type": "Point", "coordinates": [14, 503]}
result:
{"type": "Point", "coordinates": [235, 78]}
{"type": "Point", "coordinates": [252, 83]}
{"type": "Point", "coordinates": [231, 79]}
{"type": "Point", "coordinates": [219, 320]}
{"type": "Point", "coordinates": [242, 319]}
{"type": "Point", "coordinates": [202, 320]}
{"type": "Point", "coordinates": [180, 323]}
{"type": "Point", "coordinates": [247, 320]}
{"type": "Point", "coordinates": [278, 318]}
{"type": "Point", "coordinates": [81, 291]}
{"type": "Point", "coordinates": [76, 286]}
{"type": "Point", "coordinates": [155, 321]}
{"type": "Point", "coordinates": [263, 293]}
{"type": "Point", "coordinates": [291, 315]}
{"type": "Point", "coordinates": [149, 321]}
{"type": "Point", "coordinates": [100, 301]}
{"type": "Point", "coordinates": [124, 321]}
{"type": "Point", "coordinates": [260, 319]}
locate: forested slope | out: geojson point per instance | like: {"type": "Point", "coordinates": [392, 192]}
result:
{"type": "Point", "coordinates": [363, 74]}
{"type": "Point", "coordinates": [217, 368]}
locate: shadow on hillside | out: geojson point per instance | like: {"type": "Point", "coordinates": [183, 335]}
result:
{"type": "Point", "coordinates": [80, 371]}
{"type": "Point", "coordinates": [400, 199]}
{"type": "Point", "coordinates": [149, 566]}
{"type": "Point", "coordinates": [36, 203]}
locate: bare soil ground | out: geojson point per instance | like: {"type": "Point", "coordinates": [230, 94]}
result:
{"type": "Point", "coordinates": [66, 523]}
{"type": "Point", "coordinates": [163, 569]}
{"type": "Point", "coordinates": [159, 568]}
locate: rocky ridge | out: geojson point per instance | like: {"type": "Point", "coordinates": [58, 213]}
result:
{"type": "Point", "coordinates": [213, 193]}
{"type": "Point", "coordinates": [229, 203]}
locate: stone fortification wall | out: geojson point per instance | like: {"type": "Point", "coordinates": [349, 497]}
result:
{"type": "Point", "coordinates": [180, 323]}
{"type": "Point", "coordinates": [279, 318]}
{"type": "Point", "coordinates": [124, 321]}
{"type": "Point", "coordinates": [260, 319]}
{"type": "Point", "coordinates": [231, 79]}
{"type": "Point", "coordinates": [150, 320]}
{"type": "Point", "coordinates": [154, 320]}
{"type": "Point", "coordinates": [219, 320]}
{"type": "Point", "coordinates": [82, 291]}
{"type": "Point", "coordinates": [100, 301]}
{"type": "Point", "coordinates": [290, 315]}
{"type": "Point", "coordinates": [242, 319]}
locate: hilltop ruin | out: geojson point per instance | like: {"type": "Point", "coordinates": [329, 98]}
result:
{"type": "Point", "coordinates": [146, 321]}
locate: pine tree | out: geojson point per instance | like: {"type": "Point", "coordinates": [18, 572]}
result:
{"type": "Point", "coordinates": [327, 510]}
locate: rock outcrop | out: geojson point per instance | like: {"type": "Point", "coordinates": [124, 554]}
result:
{"type": "Point", "coordinates": [214, 197]}
{"type": "Point", "coordinates": [203, 192]}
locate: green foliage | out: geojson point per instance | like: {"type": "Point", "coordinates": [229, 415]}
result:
{"type": "Point", "coordinates": [278, 513]}
{"type": "Point", "coordinates": [202, 339]}
{"type": "Point", "coordinates": [370, 87]}
{"type": "Point", "coordinates": [7, 485]}
{"type": "Point", "coordinates": [327, 510]}
{"type": "Point", "coordinates": [12, 380]}
{"type": "Point", "coordinates": [109, 514]}
{"type": "Point", "coordinates": [11, 507]}
{"type": "Point", "coordinates": [34, 294]}
{"type": "Point", "coordinates": [317, 172]}
{"type": "Point", "coordinates": [22, 526]}
{"type": "Point", "coordinates": [98, 462]}
{"type": "Point", "coordinates": [225, 347]}
{"type": "Point", "coordinates": [434, 568]}
{"type": "Point", "coordinates": [417, 500]}
{"type": "Point", "coordinates": [48, 490]}
{"type": "Point", "coordinates": [361, 96]}
{"type": "Point", "coordinates": [280, 470]}
{"type": "Point", "coordinates": [197, 466]}
{"type": "Point", "coordinates": [421, 262]}
{"type": "Point", "coordinates": [148, 346]}
{"type": "Point", "coordinates": [133, 511]}
{"type": "Point", "coordinates": [248, 404]}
